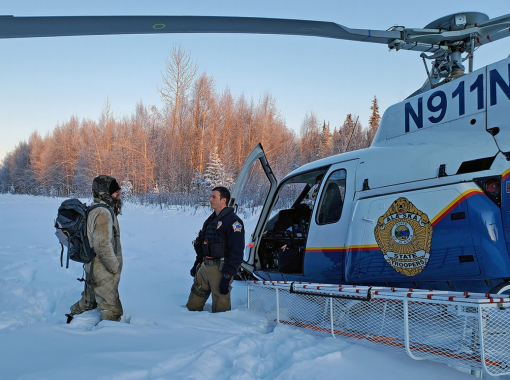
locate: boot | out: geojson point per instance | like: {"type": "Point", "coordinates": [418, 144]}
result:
{"type": "Point", "coordinates": [69, 318]}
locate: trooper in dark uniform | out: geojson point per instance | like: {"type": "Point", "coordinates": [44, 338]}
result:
{"type": "Point", "coordinates": [219, 247]}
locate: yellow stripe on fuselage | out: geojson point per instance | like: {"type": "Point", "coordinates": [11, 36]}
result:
{"type": "Point", "coordinates": [466, 194]}
{"type": "Point", "coordinates": [365, 247]}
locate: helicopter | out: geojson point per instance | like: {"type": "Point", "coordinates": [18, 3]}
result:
{"type": "Point", "coordinates": [426, 206]}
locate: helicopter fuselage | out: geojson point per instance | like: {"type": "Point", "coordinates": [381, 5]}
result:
{"type": "Point", "coordinates": [426, 206]}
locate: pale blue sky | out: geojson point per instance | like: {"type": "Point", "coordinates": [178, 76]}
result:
{"type": "Point", "coordinates": [45, 81]}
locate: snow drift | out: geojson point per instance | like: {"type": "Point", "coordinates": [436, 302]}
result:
{"type": "Point", "coordinates": [158, 338]}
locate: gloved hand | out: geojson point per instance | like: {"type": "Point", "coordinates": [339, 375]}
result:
{"type": "Point", "coordinates": [225, 284]}
{"type": "Point", "coordinates": [193, 271]}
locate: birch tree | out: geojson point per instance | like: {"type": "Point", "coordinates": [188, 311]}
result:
{"type": "Point", "coordinates": [310, 138]}
{"type": "Point", "coordinates": [177, 79]}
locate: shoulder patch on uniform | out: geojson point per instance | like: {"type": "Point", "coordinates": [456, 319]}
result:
{"type": "Point", "coordinates": [219, 224]}
{"type": "Point", "coordinates": [238, 227]}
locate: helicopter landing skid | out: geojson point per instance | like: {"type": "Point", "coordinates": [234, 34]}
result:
{"type": "Point", "coordinates": [461, 329]}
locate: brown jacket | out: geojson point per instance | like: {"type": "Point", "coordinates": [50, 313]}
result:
{"type": "Point", "coordinates": [100, 233]}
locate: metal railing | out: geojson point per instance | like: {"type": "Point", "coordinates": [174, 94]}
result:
{"type": "Point", "coordinates": [468, 330]}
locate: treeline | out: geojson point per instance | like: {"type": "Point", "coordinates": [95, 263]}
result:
{"type": "Point", "coordinates": [174, 155]}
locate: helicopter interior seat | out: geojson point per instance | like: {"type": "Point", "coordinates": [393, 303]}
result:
{"type": "Point", "coordinates": [331, 207]}
{"type": "Point", "coordinates": [294, 220]}
{"type": "Point", "coordinates": [290, 250]}
{"type": "Point", "coordinates": [284, 221]}
{"type": "Point", "coordinates": [304, 212]}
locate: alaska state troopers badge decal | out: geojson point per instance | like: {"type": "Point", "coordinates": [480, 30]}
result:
{"type": "Point", "coordinates": [404, 234]}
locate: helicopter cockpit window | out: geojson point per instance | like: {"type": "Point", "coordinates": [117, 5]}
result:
{"type": "Point", "coordinates": [298, 193]}
{"type": "Point", "coordinates": [283, 242]}
{"type": "Point", "coordinates": [330, 207]}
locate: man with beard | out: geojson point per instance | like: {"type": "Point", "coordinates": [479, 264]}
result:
{"type": "Point", "coordinates": [104, 237]}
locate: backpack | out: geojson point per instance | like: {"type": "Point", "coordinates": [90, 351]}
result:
{"type": "Point", "coordinates": [71, 225]}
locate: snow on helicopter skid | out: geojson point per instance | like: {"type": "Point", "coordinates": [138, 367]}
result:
{"type": "Point", "coordinates": [426, 206]}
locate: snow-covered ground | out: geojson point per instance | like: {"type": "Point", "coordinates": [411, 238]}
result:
{"type": "Point", "coordinates": [158, 338]}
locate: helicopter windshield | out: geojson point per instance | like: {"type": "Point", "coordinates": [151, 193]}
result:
{"type": "Point", "coordinates": [297, 193]}
{"type": "Point", "coordinates": [284, 238]}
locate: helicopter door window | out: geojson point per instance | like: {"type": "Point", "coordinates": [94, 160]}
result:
{"type": "Point", "coordinates": [331, 204]}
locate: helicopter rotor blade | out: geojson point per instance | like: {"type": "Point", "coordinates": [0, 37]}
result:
{"type": "Point", "coordinates": [52, 26]}
{"type": "Point", "coordinates": [495, 20]}
{"type": "Point", "coordinates": [494, 32]}
{"type": "Point", "coordinates": [435, 37]}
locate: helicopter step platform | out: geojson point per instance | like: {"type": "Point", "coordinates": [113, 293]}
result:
{"type": "Point", "coordinates": [467, 330]}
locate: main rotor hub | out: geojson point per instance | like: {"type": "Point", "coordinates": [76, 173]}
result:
{"type": "Point", "coordinates": [457, 21]}
{"type": "Point", "coordinates": [447, 38]}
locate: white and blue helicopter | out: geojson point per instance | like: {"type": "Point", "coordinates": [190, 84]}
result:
{"type": "Point", "coordinates": [426, 206]}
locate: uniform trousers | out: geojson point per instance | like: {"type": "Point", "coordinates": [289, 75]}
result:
{"type": "Point", "coordinates": [207, 281]}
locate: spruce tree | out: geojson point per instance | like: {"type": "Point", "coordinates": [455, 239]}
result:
{"type": "Point", "coordinates": [326, 142]}
{"type": "Point", "coordinates": [215, 173]}
{"type": "Point", "coordinates": [374, 120]}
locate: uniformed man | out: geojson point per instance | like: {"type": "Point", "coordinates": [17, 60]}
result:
{"type": "Point", "coordinates": [219, 249]}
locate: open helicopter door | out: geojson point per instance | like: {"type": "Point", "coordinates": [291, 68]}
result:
{"type": "Point", "coordinates": [255, 184]}
{"type": "Point", "coordinates": [302, 230]}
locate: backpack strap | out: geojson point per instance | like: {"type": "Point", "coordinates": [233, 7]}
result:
{"type": "Point", "coordinates": [101, 205]}
{"type": "Point", "coordinates": [90, 280]}
{"type": "Point", "coordinates": [62, 256]}
{"type": "Point", "coordinates": [113, 220]}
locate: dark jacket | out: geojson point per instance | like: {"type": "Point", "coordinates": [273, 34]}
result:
{"type": "Point", "coordinates": [223, 237]}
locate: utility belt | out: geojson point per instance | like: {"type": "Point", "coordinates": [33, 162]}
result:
{"type": "Point", "coordinates": [211, 261]}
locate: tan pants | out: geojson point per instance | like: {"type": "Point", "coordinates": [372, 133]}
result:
{"type": "Point", "coordinates": [106, 295]}
{"type": "Point", "coordinates": [207, 281]}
